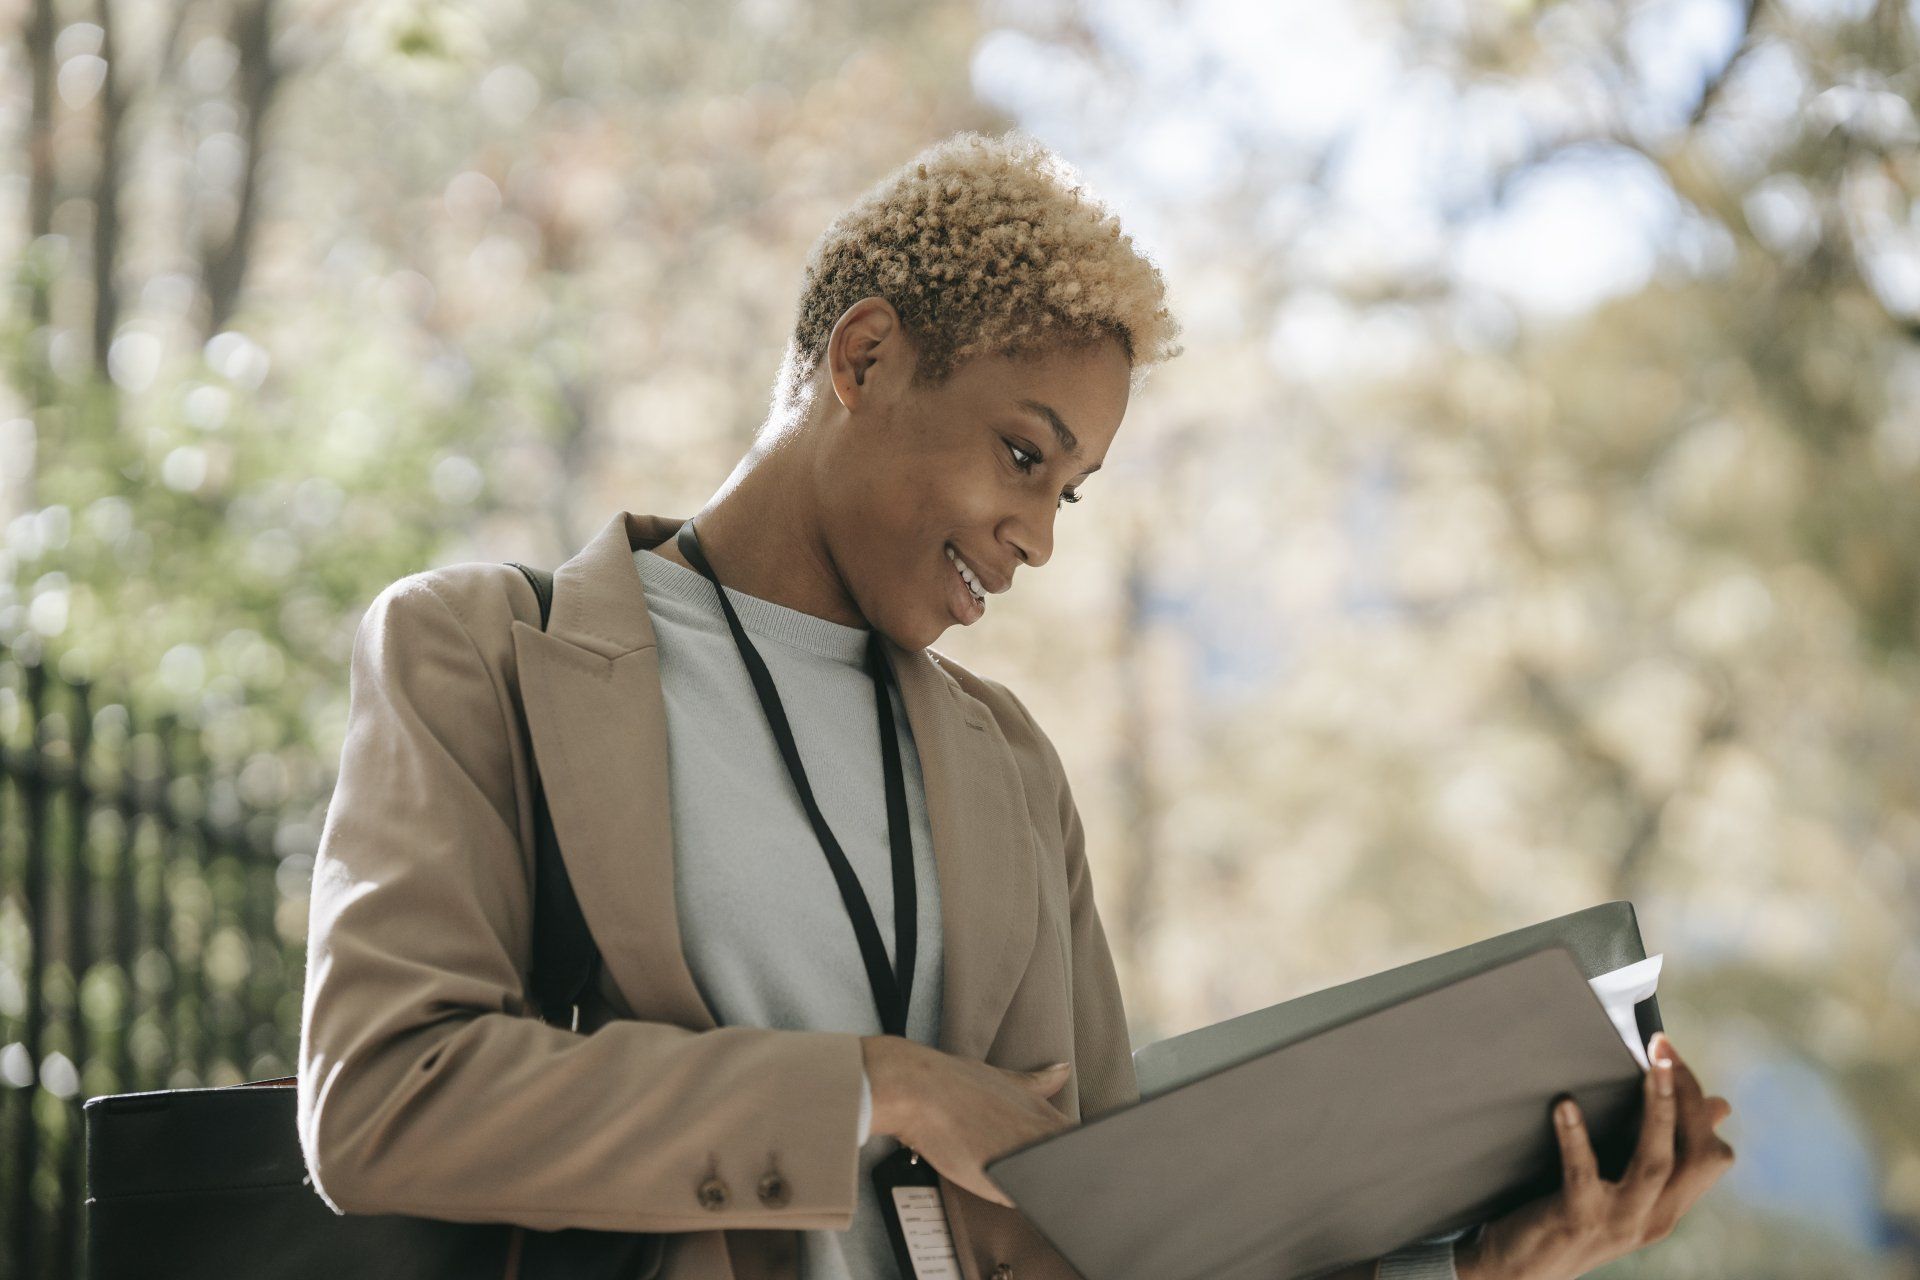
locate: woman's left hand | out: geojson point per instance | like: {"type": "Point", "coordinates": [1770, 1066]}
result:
{"type": "Point", "coordinates": [1590, 1221]}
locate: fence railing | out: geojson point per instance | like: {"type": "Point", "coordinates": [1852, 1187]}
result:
{"type": "Point", "coordinates": [150, 938]}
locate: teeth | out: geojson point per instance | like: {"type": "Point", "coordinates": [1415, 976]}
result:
{"type": "Point", "coordinates": [973, 583]}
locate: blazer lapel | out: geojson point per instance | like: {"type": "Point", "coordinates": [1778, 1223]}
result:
{"type": "Point", "coordinates": [984, 848]}
{"type": "Point", "coordinates": [591, 687]}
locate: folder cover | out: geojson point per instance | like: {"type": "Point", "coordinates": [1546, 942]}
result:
{"type": "Point", "coordinates": [1602, 938]}
{"type": "Point", "coordinates": [1339, 1126]}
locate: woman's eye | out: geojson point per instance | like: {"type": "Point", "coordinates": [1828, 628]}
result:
{"type": "Point", "coordinates": [1027, 460]}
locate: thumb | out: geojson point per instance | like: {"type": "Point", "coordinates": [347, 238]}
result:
{"type": "Point", "coordinates": [1048, 1080]}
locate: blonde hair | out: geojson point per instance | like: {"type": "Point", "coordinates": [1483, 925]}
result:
{"type": "Point", "coordinates": [982, 245]}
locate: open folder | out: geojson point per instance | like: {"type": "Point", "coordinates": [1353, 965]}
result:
{"type": "Point", "coordinates": [1339, 1126]}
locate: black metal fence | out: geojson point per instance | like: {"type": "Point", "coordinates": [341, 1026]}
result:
{"type": "Point", "coordinates": [151, 937]}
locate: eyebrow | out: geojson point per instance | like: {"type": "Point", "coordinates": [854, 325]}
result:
{"type": "Point", "coordinates": [1068, 440]}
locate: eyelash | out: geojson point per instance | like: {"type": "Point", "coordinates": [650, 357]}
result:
{"type": "Point", "coordinates": [1034, 460]}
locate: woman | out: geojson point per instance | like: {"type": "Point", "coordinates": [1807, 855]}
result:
{"type": "Point", "coordinates": [968, 336]}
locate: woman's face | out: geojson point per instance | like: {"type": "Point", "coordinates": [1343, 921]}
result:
{"type": "Point", "coordinates": [981, 465]}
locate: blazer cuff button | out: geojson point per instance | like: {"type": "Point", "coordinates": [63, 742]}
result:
{"type": "Point", "coordinates": [774, 1191]}
{"type": "Point", "coordinates": [713, 1193]}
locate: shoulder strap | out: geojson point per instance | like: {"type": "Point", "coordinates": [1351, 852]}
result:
{"type": "Point", "coordinates": [542, 583]}
{"type": "Point", "coordinates": [565, 958]}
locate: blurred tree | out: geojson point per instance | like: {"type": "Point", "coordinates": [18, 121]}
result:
{"type": "Point", "coordinates": [1473, 615]}
{"type": "Point", "coordinates": [1400, 615]}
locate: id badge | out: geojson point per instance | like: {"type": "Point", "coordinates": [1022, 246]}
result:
{"type": "Point", "coordinates": [916, 1219]}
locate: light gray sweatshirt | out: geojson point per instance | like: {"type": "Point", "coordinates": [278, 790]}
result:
{"type": "Point", "coordinates": [761, 921]}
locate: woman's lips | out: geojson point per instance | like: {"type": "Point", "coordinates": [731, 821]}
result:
{"type": "Point", "coordinates": [960, 598]}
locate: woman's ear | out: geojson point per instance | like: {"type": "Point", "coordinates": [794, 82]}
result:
{"type": "Point", "coordinates": [868, 334]}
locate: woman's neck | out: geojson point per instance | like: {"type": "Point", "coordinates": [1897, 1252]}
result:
{"type": "Point", "coordinates": [760, 535]}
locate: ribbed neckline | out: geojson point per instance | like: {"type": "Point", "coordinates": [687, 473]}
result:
{"type": "Point", "coordinates": [761, 618]}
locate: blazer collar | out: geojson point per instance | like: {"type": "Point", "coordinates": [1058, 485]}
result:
{"type": "Point", "coordinates": [594, 706]}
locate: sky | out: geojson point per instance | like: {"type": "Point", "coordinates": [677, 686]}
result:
{"type": "Point", "coordinates": [1413, 148]}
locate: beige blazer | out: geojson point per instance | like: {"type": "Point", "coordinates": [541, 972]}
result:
{"type": "Point", "coordinates": [426, 1084]}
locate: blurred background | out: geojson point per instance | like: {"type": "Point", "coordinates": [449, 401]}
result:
{"type": "Point", "coordinates": [1532, 521]}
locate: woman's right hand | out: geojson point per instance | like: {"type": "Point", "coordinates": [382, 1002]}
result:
{"type": "Point", "coordinates": [958, 1113]}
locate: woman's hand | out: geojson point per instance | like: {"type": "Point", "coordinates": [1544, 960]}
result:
{"type": "Point", "coordinates": [958, 1113]}
{"type": "Point", "coordinates": [1589, 1222]}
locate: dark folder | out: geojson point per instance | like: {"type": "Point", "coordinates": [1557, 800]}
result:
{"type": "Point", "coordinates": [1341, 1125]}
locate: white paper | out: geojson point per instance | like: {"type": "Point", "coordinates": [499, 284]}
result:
{"type": "Point", "coordinates": [1619, 991]}
{"type": "Point", "coordinates": [924, 1221]}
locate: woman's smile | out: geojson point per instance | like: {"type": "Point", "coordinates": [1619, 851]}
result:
{"type": "Point", "coordinates": [968, 607]}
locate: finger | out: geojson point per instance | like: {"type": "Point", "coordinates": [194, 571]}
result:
{"type": "Point", "coordinates": [1694, 1175]}
{"type": "Point", "coordinates": [1695, 1131]}
{"type": "Point", "coordinates": [1703, 1156]}
{"type": "Point", "coordinates": [1718, 1109]}
{"type": "Point", "coordinates": [1579, 1174]}
{"type": "Point", "coordinates": [972, 1178]}
{"type": "Point", "coordinates": [1651, 1168]}
{"type": "Point", "coordinates": [1048, 1080]}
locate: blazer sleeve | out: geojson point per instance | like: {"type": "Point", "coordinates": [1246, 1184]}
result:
{"type": "Point", "coordinates": [427, 1086]}
{"type": "Point", "coordinates": [1102, 1046]}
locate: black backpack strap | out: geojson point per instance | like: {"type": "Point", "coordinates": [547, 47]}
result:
{"type": "Point", "coordinates": [565, 958]}
{"type": "Point", "coordinates": [542, 583]}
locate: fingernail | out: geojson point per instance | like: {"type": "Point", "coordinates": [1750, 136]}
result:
{"type": "Point", "coordinates": [1663, 1076]}
{"type": "Point", "coordinates": [1567, 1113]}
{"type": "Point", "coordinates": [1054, 1066]}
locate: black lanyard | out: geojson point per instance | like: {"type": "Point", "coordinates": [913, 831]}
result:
{"type": "Point", "coordinates": [889, 995]}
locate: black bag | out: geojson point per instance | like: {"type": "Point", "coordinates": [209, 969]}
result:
{"type": "Point", "coordinates": [211, 1184]}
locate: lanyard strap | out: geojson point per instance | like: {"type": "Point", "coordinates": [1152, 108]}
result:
{"type": "Point", "coordinates": [890, 995]}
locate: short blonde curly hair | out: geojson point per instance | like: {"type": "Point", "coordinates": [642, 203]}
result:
{"type": "Point", "coordinates": [982, 245]}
